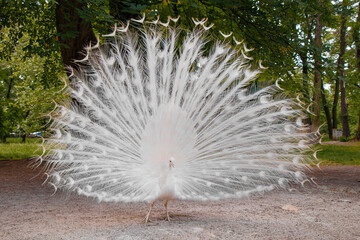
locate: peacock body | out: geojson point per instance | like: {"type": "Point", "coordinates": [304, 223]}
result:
{"type": "Point", "coordinates": [157, 115]}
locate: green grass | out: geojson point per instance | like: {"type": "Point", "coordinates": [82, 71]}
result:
{"type": "Point", "coordinates": [329, 154]}
{"type": "Point", "coordinates": [28, 140]}
{"type": "Point", "coordinates": [338, 154]}
{"type": "Point", "coordinates": [14, 149]}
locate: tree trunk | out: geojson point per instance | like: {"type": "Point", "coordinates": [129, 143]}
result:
{"type": "Point", "coordinates": [326, 110]}
{"type": "Point", "coordinates": [340, 71]}
{"type": "Point", "coordinates": [341, 75]}
{"type": "Point", "coordinates": [4, 131]}
{"type": "Point", "coordinates": [356, 38]}
{"type": "Point", "coordinates": [10, 87]}
{"type": "Point", "coordinates": [344, 112]}
{"type": "Point", "coordinates": [306, 86]}
{"type": "Point", "coordinates": [305, 69]}
{"type": "Point", "coordinates": [68, 21]}
{"type": "Point", "coordinates": [23, 138]}
{"type": "Point", "coordinates": [317, 75]}
{"type": "Point", "coordinates": [357, 135]}
{"type": "Point", "coordinates": [335, 103]}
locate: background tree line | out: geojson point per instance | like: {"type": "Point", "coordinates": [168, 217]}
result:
{"type": "Point", "coordinates": [313, 47]}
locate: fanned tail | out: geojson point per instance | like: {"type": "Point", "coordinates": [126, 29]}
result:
{"type": "Point", "coordinates": [150, 95]}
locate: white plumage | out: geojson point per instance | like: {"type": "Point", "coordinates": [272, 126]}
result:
{"type": "Point", "coordinates": [157, 115]}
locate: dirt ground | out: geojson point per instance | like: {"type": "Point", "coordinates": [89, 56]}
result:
{"type": "Point", "coordinates": [329, 210]}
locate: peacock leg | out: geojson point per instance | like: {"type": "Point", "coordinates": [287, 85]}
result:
{"type": "Point", "coordinates": [148, 214]}
{"type": "Point", "coordinates": [167, 212]}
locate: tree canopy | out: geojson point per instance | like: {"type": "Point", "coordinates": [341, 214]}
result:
{"type": "Point", "coordinates": [312, 47]}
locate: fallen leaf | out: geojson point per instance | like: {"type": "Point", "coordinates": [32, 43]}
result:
{"type": "Point", "coordinates": [290, 208]}
{"type": "Point", "coordinates": [211, 235]}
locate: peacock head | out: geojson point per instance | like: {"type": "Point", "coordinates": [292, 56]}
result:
{"type": "Point", "coordinates": [171, 162]}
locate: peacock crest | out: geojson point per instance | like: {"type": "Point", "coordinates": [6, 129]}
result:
{"type": "Point", "coordinates": [157, 114]}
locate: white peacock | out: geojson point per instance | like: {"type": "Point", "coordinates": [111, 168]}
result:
{"type": "Point", "coordinates": [158, 115]}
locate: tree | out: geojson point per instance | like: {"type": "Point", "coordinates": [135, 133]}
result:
{"type": "Point", "coordinates": [304, 52]}
{"type": "Point", "coordinates": [24, 99]}
{"type": "Point", "coordinates": [5, 113]}
{"type": "Point", "coordinates": [344, 111]}
{"type": "Point", "coordinates": [317, 74]}
{"type": "Point", "coordinates": [38, 39]}
{"type": "Point", "coordinates": [293, 39]}
{"type": "Point", "coordinates": [74, 31]}
{"type": "Point", "coordinates": [356, 38]}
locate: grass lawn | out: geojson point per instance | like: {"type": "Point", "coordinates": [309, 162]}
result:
{"type": "Point", "coordinates": [14, 149]}
{"type": "Point", "coordinates": [339, 154]}
{"type": "Point", "coordinates": [329, 154]}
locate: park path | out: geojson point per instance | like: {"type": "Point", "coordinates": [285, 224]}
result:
{"type": "Point", "coordinates": [328, 210]}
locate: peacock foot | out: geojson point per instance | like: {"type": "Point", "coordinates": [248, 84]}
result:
{"type": "Point", "coordinates": [146, 219]}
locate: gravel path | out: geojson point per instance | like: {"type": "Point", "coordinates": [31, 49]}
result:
{"type": "Point", "coordinates": [329, 210]}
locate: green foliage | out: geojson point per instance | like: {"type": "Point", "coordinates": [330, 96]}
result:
{"type": "Point", "coordinates": [26, 96]}
{"type": "Point", "coordinates": [264, 25]}
{"type": "Point", "coordinates": [35, 19]}
{"type": "Point", "coordinates": [343, 139]}
{"type": "Point", "coordinates": [325, 138]}
{"type": "Point", "coordinates": [282, 32]}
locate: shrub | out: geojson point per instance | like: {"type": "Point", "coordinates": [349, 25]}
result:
{"type": "Point", "coordinates": [343, 139]}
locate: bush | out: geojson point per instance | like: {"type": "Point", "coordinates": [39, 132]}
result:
{"type": "Point", "coordinates": [343, 139]}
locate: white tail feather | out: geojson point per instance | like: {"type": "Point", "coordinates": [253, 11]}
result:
{"type": "Point", "coordinates": [152, 122]}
